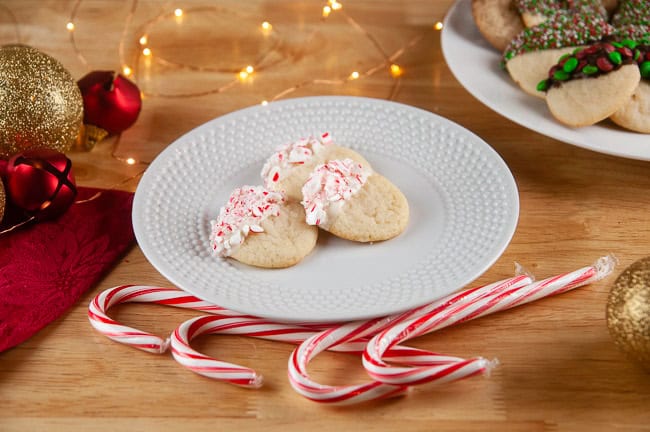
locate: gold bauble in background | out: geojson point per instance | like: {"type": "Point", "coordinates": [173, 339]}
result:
{"type": "Point", "coordinates": [628, 311]}
{"type": "Point", "coordinates": [40, 102]}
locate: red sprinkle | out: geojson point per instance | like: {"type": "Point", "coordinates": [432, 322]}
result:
{"type": "Point", "coordinates": [276, 177]}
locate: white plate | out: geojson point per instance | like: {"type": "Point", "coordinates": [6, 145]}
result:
{"type": "Point", "coordinates": [463, 200]}
{"type": "Point", "coordinates": [476, 65]}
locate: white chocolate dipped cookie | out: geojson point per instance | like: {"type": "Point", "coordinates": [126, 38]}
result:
{"type": "Point", "coordinates": [591, 84]}
{"type": "Point", "coordinates": [259, 228]}
{"type": "Point", "coordinates": [288, 168]}
{"type": "Point", "coordinates": [352, 202]}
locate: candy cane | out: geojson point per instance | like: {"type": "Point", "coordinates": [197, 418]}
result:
{"type": "Point", "coordinates": [378, 369]}
{"type": "Point", "coordinates": [224, 321]}
{"type": "Point", "coordinates": [243, 376]}
{"type": "Point", "coordinates": [343, 395]}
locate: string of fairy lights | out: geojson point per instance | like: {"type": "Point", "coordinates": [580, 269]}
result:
{"type": "Point", "coordinates": [144, 53]}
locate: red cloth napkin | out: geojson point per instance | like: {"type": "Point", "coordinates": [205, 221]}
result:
{"type": "Point", "coordinates": [46, 267]}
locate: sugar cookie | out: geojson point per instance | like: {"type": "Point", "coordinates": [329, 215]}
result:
{"type": "Point", "coordinates": [354, 203]}
{"type": "Point", "coordinates": [258, 227]}
{"type": "Point", "coordinates": [497, 20]}
{"type": "Point", "coordinates": [289, 167]}
{"type": "Point", "coordinates": [591, 84]}
{"type": "Point", "coordinates": [535, 50]}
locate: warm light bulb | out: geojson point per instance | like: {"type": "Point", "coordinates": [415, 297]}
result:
{"type": "Point", "coordinates": [326, 11]}
{"type": "Point", "coordinates": [266, 25]}
{"type": "Point", "coordinates": [130, 161]}
{"type": "Point", "coordinates": [127, 71]}
{"type": "Point", "coordinates": [243, 75]}
{"type": "Point", "coordinates": [438, 25]}
{"type": "Point", "coordinates": [249, 69]}
{"type": "Point", "coordinates": [70, 26]}
{"type": "Point", "coordinates": [354, 75]}
{"type": "Point", "coordinates": [265, 103]}
{"type": "Point", "coordinates": [335, 5]}
{"type": "Point", "coordinates": [144, 40]}
{"type": "Point", "coordinates": [395, 70]}
{"type": "Point", "coordinates": [178, 12]}
{"type": "Point", "coordinates": [146, 52]}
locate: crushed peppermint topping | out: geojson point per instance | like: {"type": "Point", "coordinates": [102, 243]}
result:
{"type": "Point", "coordinates": [329, 186]}
{"type": "Point", "coordinates": [247, 207]}
{"type": "Point", "coordinates": [292, 154]}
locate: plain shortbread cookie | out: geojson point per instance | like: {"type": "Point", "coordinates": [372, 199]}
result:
{"type": "Point", "coordinates": [497, 20]}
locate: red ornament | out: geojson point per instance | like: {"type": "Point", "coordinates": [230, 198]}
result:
{"type": "Point", "coordinates": [40, 182]}
{"type": "Point", "coordinates": [111, 101]}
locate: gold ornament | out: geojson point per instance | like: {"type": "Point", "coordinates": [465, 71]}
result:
{"type": "Point", "coordinates": [628, 311]}
{"type": "Point", "coordinates": [40, 102]}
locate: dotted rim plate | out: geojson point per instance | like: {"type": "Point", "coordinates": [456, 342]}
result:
{"type": "Point", "coordinates": [463, 201]}
{"type": "Point", "coordinates": [475, 64]}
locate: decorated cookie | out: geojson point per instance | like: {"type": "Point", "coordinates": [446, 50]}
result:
{"type": "Point", "coordinates": [289, 167]}
{"type": "Point", "coordinates": [535, 50]}
{"type": "Point", "coordinates": [591, 84]}
{"type": "Point", "coordinates": [535, 12]}
{"type": "Point", "coordinates": [635, 114]}
{"type": "Point", "coordinates": [347, 199]}
{"type": "Point", "coordinates": [497, 20]}
{"type": "Point", "coordinates": [636, 12]}
{"type": "Point", "coordinates": [258, 227]}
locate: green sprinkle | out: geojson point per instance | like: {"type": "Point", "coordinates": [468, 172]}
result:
{"type": "Point", "coordinates": [615, 57]}
{"type": "Point", "coordinates": [543, 85]}
{"type": "Point", "coordinates": [617, 45]}
{"type": "Point", "coordinates": [565, 56]}
{"type": "Point", "coordinates": [509, 55]}
{"type": "Point", "coordinates": [570, 65]}
{"type": "Point", "coordinates": [560, 75]}
{"type": "Point", "coordinates": [629, 43]}
{"type": "Point", "coordinates": [575, 51]}
{"type": "Point", "coordinates": [637, 54]}
{"type": "Point", "coordinates": [589, 70]}
{"type": "Point", "coordinates": [645, 69]}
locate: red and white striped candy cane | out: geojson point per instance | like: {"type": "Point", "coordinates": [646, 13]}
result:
{"type": "Point", "coordinates": [110, 328]}
{"type": "Point", "coordinates": [340, 395]}
{"type": "Point", "coordinates": [378, 369]}
{"type": "Point", "coordinates": [243, 376]}
{"type": "Point", "coordinates": [225, 322]}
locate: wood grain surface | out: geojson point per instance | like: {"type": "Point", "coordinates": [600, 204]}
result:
{"type": "Point", "coordinates": [559, 369]}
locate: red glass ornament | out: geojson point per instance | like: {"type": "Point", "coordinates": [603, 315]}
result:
{"type": "Point", "coordinates": [111, 101]}
{"type": "Point", "coordinates": [41, 182]}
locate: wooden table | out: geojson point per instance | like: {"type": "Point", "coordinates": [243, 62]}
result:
{"type": "Point", "coordinates": [559, 368]}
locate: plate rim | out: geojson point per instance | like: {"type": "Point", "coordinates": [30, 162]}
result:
{"type": "Point", "coordinates": [563, 133]}
{"type": "Point", "coordinates": [155, 259]}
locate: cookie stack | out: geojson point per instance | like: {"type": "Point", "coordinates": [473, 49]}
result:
{"type": "Point", "coordinates": [587, 58]}
{"type": "Point", "coordinates": [309, 184]}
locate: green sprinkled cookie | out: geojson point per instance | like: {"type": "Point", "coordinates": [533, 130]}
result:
{"type": "Point", "coordinates": [591, 84]}
{"type": "Point", "coordinates": [535, 12]}
{"type": "Point", "coordinates": [531, 54]}
{"type": "Point", "coordinates": [635, 12]}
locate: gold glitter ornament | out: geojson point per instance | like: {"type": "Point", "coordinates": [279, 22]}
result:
{"type": "Point", "coordinates": [40, 102]}
{"type": "Point", "coordinates": [628, 311]}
